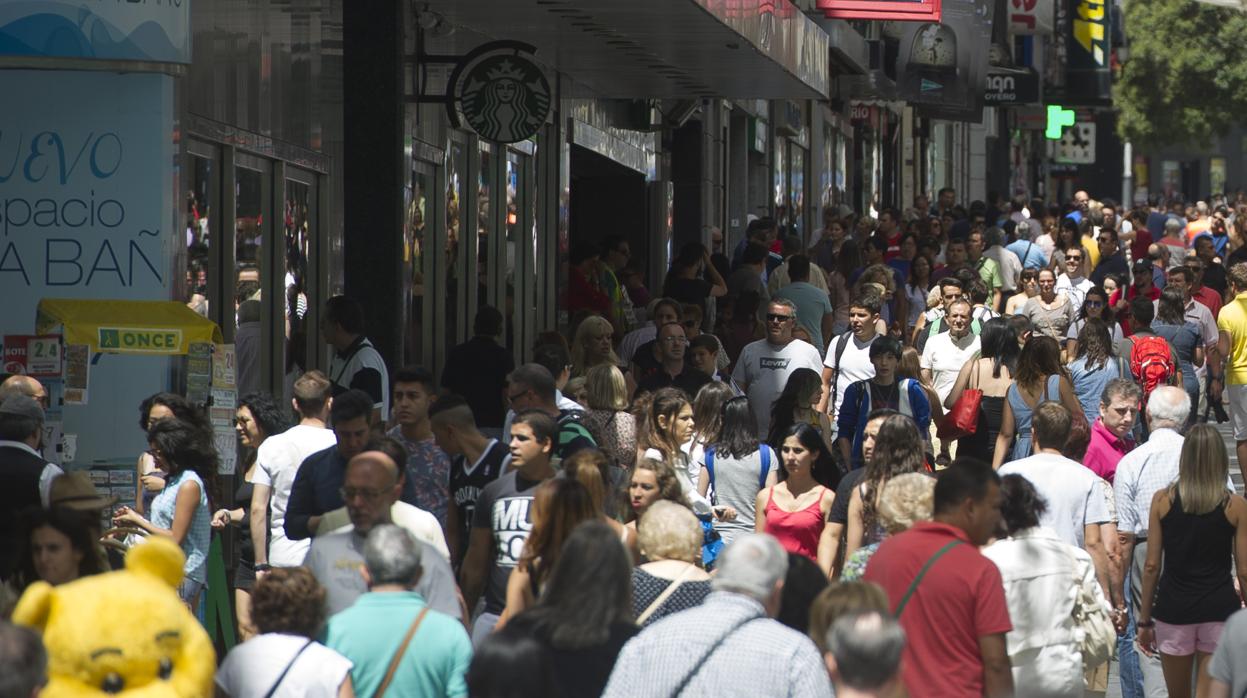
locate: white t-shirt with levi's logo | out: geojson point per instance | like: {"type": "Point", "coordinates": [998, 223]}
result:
{"type": "Point", "coordinates": [763, 370]}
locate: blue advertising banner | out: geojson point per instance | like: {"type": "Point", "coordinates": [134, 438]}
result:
{"type": "Point", "coordinates": [152, 30]}
{"type": "Point", "coordinates": [87, 210]}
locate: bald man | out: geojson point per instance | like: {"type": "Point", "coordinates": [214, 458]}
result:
{"type": "Point", "coordinates": [383, 454]}
{"type": "Point", "coordinates": [371, 487]}
{"type": "Point", "coordinates": [24, 385]}
{"type": "Point", "coordinates": [1159, 254]}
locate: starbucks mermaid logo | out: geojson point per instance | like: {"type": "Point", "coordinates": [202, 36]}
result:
{"type": "Point", "coordinates": [505, 98]}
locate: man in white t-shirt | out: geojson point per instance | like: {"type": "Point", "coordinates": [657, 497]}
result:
{"type": "Point", "coordinates": [764, 366]}
{"type": "Point", "coordinates": [945, 353]}
{"type": "Point", "coordinates": [1072, 283]}
{"type": "Point", "coordinates": [277, 461]}
{"type": "Point", "coordinates": [1078, 501]}
{"type": "Point", "coordinates": [848, 356]}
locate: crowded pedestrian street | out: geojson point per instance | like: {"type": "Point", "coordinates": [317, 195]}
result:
{"type": "Point", "coordinates": [646, 349]}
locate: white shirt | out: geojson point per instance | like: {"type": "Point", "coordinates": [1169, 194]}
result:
{"type": "Point", "coordinates": [1075, 495]}
{"type": "Point", "coordinates": [1148, 469]}
{"type": "Point", "coordinates": [855, 366]}
{"type": "Point", "coordinates": [944, 356]}
{"type": "Point", "coordinates": [763, 370]}
{"type": "Point", "coordinates": [1076, 289]}
{"type": "Point", "coordinates": [418, 522]}
{"type": "Point", "coordinates": [700, 505]}
{"type": "Point", "coordinates": [251, 669]}
{"type": "Point", "coordinates": [1010, 266]}
{"type": "Point", "coordinates": [1042, 575]}
{"type": "Point", "coordinates": [277, 462]}
{"type": "Point", "coordinates": [46, 476]}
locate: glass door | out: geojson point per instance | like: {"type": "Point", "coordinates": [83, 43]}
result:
{"type": "Point", "coordinates": [201, 197]}
{"type": "Point", "coordinates": [297, 263]}
{"type": "Point", "coordinates": [253, 247]}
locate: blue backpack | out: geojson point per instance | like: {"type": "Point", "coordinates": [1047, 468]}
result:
{"type": "Point", "coordinates": [712, 542]}
{"type": "Point", "coordinates": [763, 450]}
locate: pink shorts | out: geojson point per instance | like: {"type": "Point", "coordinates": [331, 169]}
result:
{"type": "Point", "coordinates": [1184, 640]}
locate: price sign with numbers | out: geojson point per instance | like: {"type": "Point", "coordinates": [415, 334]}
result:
{"type": "Point", "coordinates": [33, 355]}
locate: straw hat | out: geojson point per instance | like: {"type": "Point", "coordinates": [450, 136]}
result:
{"type": "Point", "coordinates": [76, 491]}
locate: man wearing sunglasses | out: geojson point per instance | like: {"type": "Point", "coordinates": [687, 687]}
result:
{"type": "Point", "coordinates": [764, 366]}
{"type": "Point", "coordinates": [1071, 281]}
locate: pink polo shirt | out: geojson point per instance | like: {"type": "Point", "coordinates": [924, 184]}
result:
{"type": "Point", "coordinates": [1105, 450]}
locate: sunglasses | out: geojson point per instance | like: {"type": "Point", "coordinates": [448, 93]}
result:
{"type": "Point", "coordinates": [1074, 260]}
{"type": "Point", "coordinates": [776, 317]}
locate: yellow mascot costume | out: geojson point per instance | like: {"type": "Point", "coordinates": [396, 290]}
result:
{"type": "Point", "coordinates": [124, 633]}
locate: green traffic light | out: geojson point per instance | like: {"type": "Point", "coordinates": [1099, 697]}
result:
{"type": "Point", "coordinates": [1058, 118]}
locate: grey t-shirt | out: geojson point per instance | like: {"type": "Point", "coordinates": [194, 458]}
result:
{"type": "Point", "coordinates": [336, 558]}
{"type": "Point", "coordinates": [736, 485]}
{"type": "Point", "coordinates": [505, 508]}
{"type": "Point", "coordinates": [1229, 662]}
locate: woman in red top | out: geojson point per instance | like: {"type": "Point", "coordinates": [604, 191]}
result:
{"type": "Point", "coordinates": [795, 509]}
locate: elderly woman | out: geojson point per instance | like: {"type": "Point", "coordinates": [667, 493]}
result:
{"type": "Point", "coordinates": [1043, 576]}
{"type": "Point", "coordinates": [288, 610]}
{"type": "Point", "coordinates": [671, 539]}
{"type": "Point", "coordinates": [905, 500]}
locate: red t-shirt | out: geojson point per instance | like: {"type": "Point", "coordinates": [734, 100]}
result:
{"type": "Point", "coordinates": [1209, 298]}
{"type": "Point", "coordinates": [961, 599]}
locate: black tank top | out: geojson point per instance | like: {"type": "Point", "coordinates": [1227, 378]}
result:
{"type": "Point", "coordinates": [1196, 583]}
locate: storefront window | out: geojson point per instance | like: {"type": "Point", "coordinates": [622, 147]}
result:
{"type": "Point", "coordinates": [199, 196]}
{"type": "Point", "coordinates": [780, 199]}
{"type": "Point", "coordinates": [251, 189]}
{"type": "Point", "coordinates": [414, 241]}
{"type": "Point", "coordinates": [796, 207]}
{"type": "Point", "coordinates": [299, 224]}
{"type": "Point", "coordinates": [454, 223]}
{"type": "Point", "coordinates": [484, 223]}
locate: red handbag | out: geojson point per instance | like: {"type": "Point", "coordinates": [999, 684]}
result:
{"type": "Point", "coordinates": [963, 419]}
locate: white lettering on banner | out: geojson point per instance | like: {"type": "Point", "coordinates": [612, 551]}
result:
{"type": "Point", "coordinates": [511, 525]}
{"type": "Point", "coordinates": [1003, 83]}
{"type": "Point", "coordinates": [772, 364]}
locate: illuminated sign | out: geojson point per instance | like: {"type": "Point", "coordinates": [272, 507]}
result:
{"type": "Point", "coordinates": [1058, 118]}
{"type": "Point", "coordinates": [913, 11]}
{"type": "Point", "coordinates": [126, 340]}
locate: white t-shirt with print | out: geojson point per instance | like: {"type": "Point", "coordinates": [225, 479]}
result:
{"type": "Point", "coordinates": [855, 366]}
{"type": "Point", "coordinates": [765, 368]}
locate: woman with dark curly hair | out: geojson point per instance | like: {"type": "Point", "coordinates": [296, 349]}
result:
{"type": "Point", "coordinates": [288, 609]}
{"type": "Point", "coordinates": [180, 511]}
{"type": "Point", "coordinates": [256, 419]}
{"type": "Point", "coordinates": [149, 479]}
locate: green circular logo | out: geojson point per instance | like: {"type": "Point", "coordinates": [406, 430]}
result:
{"type": "Point", "coordinates": [504, 98]}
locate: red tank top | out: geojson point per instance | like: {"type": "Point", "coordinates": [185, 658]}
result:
{"type": "Point", "coordinates": [798, 531]}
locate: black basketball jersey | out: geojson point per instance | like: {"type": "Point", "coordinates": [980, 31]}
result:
{"type": "Point", "coordinates": [467, 481]}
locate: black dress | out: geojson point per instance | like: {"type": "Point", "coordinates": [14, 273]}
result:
{"type": "Point", "coordinates": [1197, 582]}
{"type": "Point", "coordinates": [982, 443]}
{"type": "Point", "coordinates": [244, 576]}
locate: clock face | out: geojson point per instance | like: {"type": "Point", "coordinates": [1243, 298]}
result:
{"type": "Point", "coordinates": [935, 45]}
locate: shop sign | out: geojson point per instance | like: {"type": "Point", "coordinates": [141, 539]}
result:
{"type": "Point", "coordinates": [1032, 17]}
{"type": "Point", "coordinates": [861, 113]}
{"type": "Point", "coordinates": [910, 11]}
{"type": "Point", "coordinates": [141, 340]}
{"type": "Point", "coordinates": [504, 97]}
{"type": "Point", "coordinates": [1076, 146]}
{"type": "Point", "coordinates": [941, 67]}
{"type": "Point", "coordinates": [1012, 88]}
{"type": "Point", "coordinates": [33, 355]}
{"type": "Point", "coordinates": [1088, 75]}
{"type": "Point", "coordinates": [119, 30]}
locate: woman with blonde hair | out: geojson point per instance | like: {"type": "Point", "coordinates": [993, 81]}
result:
{"type": "Point", "coordinates": [593, 345]}
{"type": "Point", "coordinates": [905, 500]}
{"type": "Point", "coordinates": [670, 538]}
{"type": "Point", "coordinates": [1199, 526]}
{"type": "Point", "coordinates": [608, 420]}
{"type": "Point", "coordinates": [590, 467]}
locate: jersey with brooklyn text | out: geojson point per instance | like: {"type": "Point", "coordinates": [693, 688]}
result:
{"type": "Point", "coordinates": [505, 508]}
{"type": "Point", "coordinates": [467, 481]}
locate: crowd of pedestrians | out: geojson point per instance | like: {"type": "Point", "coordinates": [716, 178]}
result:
{"type": "Point", "coordinates": [949, 451]}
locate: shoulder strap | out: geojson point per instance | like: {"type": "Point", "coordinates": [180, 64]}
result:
{"type": "Point", "coordinates": [398, 656]}
{"type": "Point", "coordinates": [666, 594]}
{"type": "Point", "coordinates": [764, 454]}
{"type": "Point", "coordinates": [281, 677]}
{"type": "Point", "coordinates": [906, 408]}
{"type": "Point", "coordinates": [913, 586]}
{"type": "Point", "coordinates": [841, 344]}
{"type": "Point", "coordinates": [710, 464]}
{"type": "Point", "coordinates": [701, 661]}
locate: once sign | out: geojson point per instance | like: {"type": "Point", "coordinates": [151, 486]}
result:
{"type": "Point", "coordinates": [126, 340]}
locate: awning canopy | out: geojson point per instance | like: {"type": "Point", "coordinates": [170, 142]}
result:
{"type": "Point", "coordinates": [126, 327]}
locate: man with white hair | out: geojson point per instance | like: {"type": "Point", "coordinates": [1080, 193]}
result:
{"type": "Point", "coordinates": [1028, 248]}
{"type": "Point", "coordinates": [1141, 474]}
{"type": "Point", "coordinates": [730, 644]}
{"type": "Point", "coordinates": [433, 656]}
{"type": "Point", "coordinates": [864, 651]}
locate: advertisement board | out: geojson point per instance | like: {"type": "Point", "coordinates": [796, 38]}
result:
{"type": "Point", "coordinates": [124, 30]}
{"type": "Point", "coordinates": [903, 11]}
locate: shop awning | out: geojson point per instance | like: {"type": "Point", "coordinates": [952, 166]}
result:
{"type": "Point", "coordinates": [126, 327]}
{"type": "Point", "coordinates": [655, 49]}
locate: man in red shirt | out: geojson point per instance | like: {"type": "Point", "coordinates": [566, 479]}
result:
{"type": "Point", "coordinates": [1209, 297]}
{"type": "Point", "coordinates": [948, 597]}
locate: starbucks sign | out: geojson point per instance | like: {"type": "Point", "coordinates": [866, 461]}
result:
{"type": "Point", "coordinates": [504, 97]}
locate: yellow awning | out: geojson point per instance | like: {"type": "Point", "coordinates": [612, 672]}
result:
{"type": "Point", "coordinates": [126, 327]}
